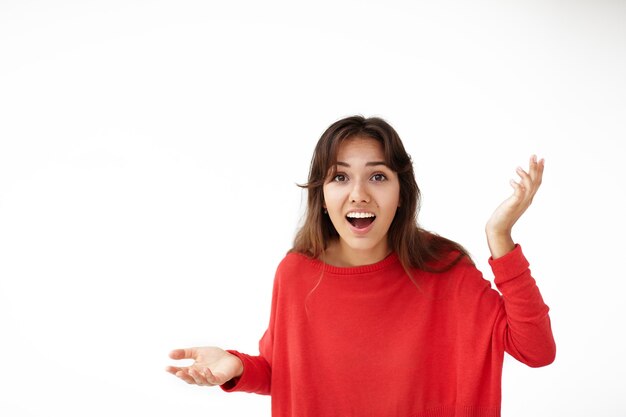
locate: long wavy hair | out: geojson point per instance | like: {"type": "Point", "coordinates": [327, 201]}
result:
{"type": "Point", "coordinates": [415, 247]}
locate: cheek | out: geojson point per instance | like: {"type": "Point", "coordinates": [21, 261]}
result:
{"type": "Point", "coordinates": [389, 200]}
{"type": "Point", "coordinates": [332, 197]}
{"type": "Point", "coordinates": [396, 199]}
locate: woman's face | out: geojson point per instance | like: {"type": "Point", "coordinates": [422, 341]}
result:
{"type": "Point", "coordinates": [362, 199]}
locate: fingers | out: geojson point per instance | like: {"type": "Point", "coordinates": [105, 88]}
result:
{"type": "Point", "coordinates": [185, 373]}
{"type": "Point", "coordinates": [506, 214]}
{"type": "Point", "coordinates": [517, 188]}
{"type": "Point", "coordinates": [526, 180]}
{"type": "Point", "coordinates": [531, 180]}
{"type": "Point", "coordinates": [173, 369]}
{"type": "Point", "coordinates": [202, 377]}
{"type": "Point", "coordinates": [194, 374]}
{"type": "Point", "coordinates": [185, 377]}
{"type": "Point", "coordinates": [189, 353]}
{"type": "Point", "coordinates": [536, 169]}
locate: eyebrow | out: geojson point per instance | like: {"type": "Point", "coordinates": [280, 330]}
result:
{"type": "Point", "coordinates": [368, 164]}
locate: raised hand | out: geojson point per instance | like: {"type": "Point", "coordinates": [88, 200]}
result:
{"type": "Point", "coordinates": [212, 365]}
{"type": "Point", "coordinates": [501, 223]}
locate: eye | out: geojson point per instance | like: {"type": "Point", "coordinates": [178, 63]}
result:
{"type": "Point", "coordinates": [379, 177]}
{"type": "Point", "coordinates": [340, 178]}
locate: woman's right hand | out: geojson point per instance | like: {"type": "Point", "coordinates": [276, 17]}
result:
{"type": "Point", "coordinates": [212, 365]}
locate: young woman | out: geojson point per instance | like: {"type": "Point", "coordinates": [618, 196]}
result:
{"type": "Point", "coordinates": [372, 315]}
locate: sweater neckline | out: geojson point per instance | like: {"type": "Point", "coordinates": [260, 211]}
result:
{"type": "Point", "coordinates": [391, 259]}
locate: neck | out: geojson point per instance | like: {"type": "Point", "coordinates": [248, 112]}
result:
{"type": "Point", "coordinates": [340, 254]}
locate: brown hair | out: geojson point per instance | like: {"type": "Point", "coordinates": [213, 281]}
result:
{"type": "Point", "coordinates": [415, 247]}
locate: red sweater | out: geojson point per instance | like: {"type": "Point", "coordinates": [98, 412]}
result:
{"type": "Point", "coordinates": [368, 343]}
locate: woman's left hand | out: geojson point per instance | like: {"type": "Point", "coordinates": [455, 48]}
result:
{"type": "Point", "coordinates": [501, 223]}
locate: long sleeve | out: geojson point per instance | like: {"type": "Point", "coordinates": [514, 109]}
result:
{"type": "Point", "coordinates": [523, 323]}
{"type": "Point", "coordinates": [256, 375]}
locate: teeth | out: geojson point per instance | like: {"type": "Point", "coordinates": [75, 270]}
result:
{"type": "Point", "coordinates": [360, 215]}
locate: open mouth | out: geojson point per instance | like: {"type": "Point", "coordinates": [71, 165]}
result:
{"type": "Point", "coordinates": [361, 220]}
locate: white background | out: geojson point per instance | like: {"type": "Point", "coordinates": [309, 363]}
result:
{"type": "Point", "coordinates": [149, 152]}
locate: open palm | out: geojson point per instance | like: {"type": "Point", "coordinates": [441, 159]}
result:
{"type": "Point", "coordinates": [212, 365]}
{"type": "Point", "coordinates": [507, 214]}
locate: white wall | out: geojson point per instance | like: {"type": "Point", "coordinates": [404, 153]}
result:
{"type": "Point", "coordinates": [149, 151]}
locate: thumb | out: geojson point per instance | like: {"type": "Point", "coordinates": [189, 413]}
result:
{"type": "Point", "coordinates": [189, 353]}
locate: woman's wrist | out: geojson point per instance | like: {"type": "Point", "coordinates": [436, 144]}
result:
{"type": "Point", "coordinates": [500, 243]}
{"type": "Point", "coordinates": [234, 355]}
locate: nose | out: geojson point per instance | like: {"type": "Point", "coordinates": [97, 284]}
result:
{"type": "Point", "coordinates": [358, 193]}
